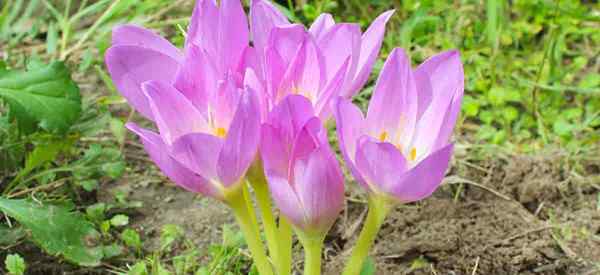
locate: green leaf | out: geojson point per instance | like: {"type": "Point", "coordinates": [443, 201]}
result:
{"type": "Point", "coordinates": [46, 97]}
{"type": "Point", "coordinates": [368, 267]}
{"type": "Point", "coordinates": [119, 220]}
{"type": "Point", "coordinates": [138, 269]}
{"type": "Point", "coordinates": [15, 264]}
{"type": "Point", "coordinates": [131, 238]}
{"type": "Point", "coordinates": [57, 229]}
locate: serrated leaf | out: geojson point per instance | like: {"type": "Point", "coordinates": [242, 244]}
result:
{"type": "Point", "coordinates": [57, 229]}
{"type": "Point", "coordinates": [15, 264]}
{"type": "Point", "coordinates": [46, 97]}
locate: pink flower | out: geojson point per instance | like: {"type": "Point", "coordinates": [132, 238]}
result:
{"type": "Point", "coordinates": [304, 177]}
{"type": "Point", "coordinates": [401, 149]}
{"type": "Point", "coordinates": [321, 63]}
{"type": "Point", "coordinates": [209, 124]}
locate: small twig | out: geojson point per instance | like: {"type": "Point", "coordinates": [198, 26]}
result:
{"type": "Point", "coordinates": [476, 266]}
{"type": "Point", "coordinates": [457, 179]}
{"type": "Point", "coordinates": [44, 187]}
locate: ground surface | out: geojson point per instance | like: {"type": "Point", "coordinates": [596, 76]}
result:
{"type": "Point", "coordinates": [514, 215]}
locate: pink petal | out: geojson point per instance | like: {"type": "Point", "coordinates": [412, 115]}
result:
{"type": "Point", "coordinates": [371, 43]}
{"type": "Point", "coordinates": [286, 40]}
{"type": "Point", "coordinates": [226, 101]}
{"type": "Point", "coordinates": [393, 107]}
{"type": "Point", "coordinates": [233, 34]}
{"type": "Point", "coordinates": [350, 125]}
{"type": "Point", "coordinates": [130, 66]}
{"type": "Point", "coordinates": [252, 81]}
{"type": "Point", "coordinates": [420, 181]}
{"type": "Point", "coordinates": [173, 113]}
{"type": "Point", "coordinates": [132, 35]}
{"type": "Point", "coordinates": [199, 152]}
{"type": "Point", "coordinates": [339, 43]}
{"type": "Point", "coordinates": [241, 142]}
{"type": "Point", "coordinates": [176, 172]}
{"type": "Point", "coordinates": [447, 83]}
{"type": "Point", "coordinates": [196, 78]}
{"type": "Point", "coordinates": [204, 26]}
{"type": "Point", "coordinates": [321, 25]}
{"type": "Point", "coordinates": [289, 116]}
{"type": "Point", "coordinates": [306, 73]}
{"type": "Point", "coordinates": [380, 163]}
{"type": "Point", "coordinates": [320, 187]}
{"type": "Point", "coordinates": [323, 104]}
{"type": "Point", "coordinates": [285, 199]}
{"type": "Point", "coordinates": [264, 18]}
{"type": "Point", "coordinates": [275, 152]}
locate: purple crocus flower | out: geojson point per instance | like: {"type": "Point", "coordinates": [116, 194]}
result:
{"type": "Point", "coordinates": [401, 149]}
{"type": "Point", "coordinates": [320, 63]}
{"type": "Point", "coordinates": [304, 176]}
{"type": "Point", "coordinates": [208, 121]}
{"type": "Point", "coordinates": [215, 44]}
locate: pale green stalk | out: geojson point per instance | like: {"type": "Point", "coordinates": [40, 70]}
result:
{"type": "Point", "coordinates": [378, 209]}
{"type": "Point", "coordinates": [284, 241]}
{"type": "Point", "coordinates": [313, 245]}
{"type": "Point", "coordinates": [238, 201]}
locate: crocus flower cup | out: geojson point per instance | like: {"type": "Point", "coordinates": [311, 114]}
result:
{"type": "Point", "coordinates": [304, 176]}
{"type": "Point", "coordinates": [400, 151]}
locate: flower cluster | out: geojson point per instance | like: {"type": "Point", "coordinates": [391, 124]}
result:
{"type": "Point", "coordinates": [243, 103]}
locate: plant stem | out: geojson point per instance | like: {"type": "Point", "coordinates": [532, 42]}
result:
{"type": "Point", "coordinates": [239, 204]}
{"type": "Point", "coordinates": [378, 209]}
{"type": "Point", "coordinates": [285, 246]}
{"type": "Point", "coordinates": [264, 205]}
{"type": "Point", "coordinates": [312, 253]}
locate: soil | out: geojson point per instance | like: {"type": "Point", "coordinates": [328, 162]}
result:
{"type": "Point", "coordinates": [511, 215]}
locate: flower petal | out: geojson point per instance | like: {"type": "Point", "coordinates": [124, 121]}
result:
{"type": "Point", "coordinates": [319, 184]}
{"type": "Point", "coordinates": [264, 18]}
{"type": "Point", "coordinates": [350, 125]}
{"type": "Point", "coordinates": [370, 45]}
{"type": "Point", "coordinates": [198, 152]}
{"type": "Point", "coordinates": [447, 82]}
{"type": "Point", "coordinates": [321, 25]}
{"type": "Point", "coordinates": [196, 78]}
{"type": "Point", "coordinates": [393, 107]}
{"type": "Point", "coordinates": [286, 40]}
{"type": "Point", "coordinates": [306, 73]}
{"type": "Point", "coordinates": [130, 66]}
{"type": "Point", "coordinates": [339, 43]}
{"type": "Point", "coordinates": [275, 152]}
{"type": "Point", "coordinates": [233, 34]}
{"type": "Point", "coordinates": [290, 115]}
{"type": "Point", "coordinates": [285, 199]}
{"type": "Point", "coordinates": [176, 172]}
{"type": "Point", "coordinates": [241, 142]}
{"type": "Point", "coordinates": [420, 181]}
{"type": "Point", "coordinates": [252, 81]}
{"type": "Point", "coordinates": [137, 36]}
{"type": "Point", "coordinates": [204, 26]}
{"type": "Point", "coordinates": [380, 163]}
{"type": "Point", "coordinates": [324, 99]}
{"type": "Point", "coordinates": [226, 101]}
{"type": "Point", "coordinates": [173, 113]}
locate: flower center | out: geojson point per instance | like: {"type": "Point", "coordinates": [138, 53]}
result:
{"type": "Point", "coordinates": [412, 154]}
{"type": "Point", "coordinates": [221, 132]}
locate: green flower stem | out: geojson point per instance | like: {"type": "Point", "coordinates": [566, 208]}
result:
{"type": "Point", "coordinates": [263, 199]}
{"type": "Point", "coordinates": [378, 210]}
{"type": "Point", "coordinates": [238, 201]}
{"type": "Point", "coordinates": [312, 253]}
{"type": "Point", "coordinates": [284, 241]}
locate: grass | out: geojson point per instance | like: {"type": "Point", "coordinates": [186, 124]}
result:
{"type": "Point", "coordinates": [531, 70]}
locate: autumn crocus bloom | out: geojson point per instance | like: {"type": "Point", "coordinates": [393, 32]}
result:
{"type": "Point", "coordinates": [321, 63]}
{"type": "Point", "coordinates": [303, 174]}
{"type": "Point", "coordinates": [401, 150]}
{"type": "Point", "coordinates": [208, 121]}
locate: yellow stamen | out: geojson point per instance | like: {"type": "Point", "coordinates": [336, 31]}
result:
{"type": "Point", "coordinates": [413, 154]}
{"type": "Point", "coordinates": [383, 136]}
{"type": "Point", "coordinates": [221, 132]}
